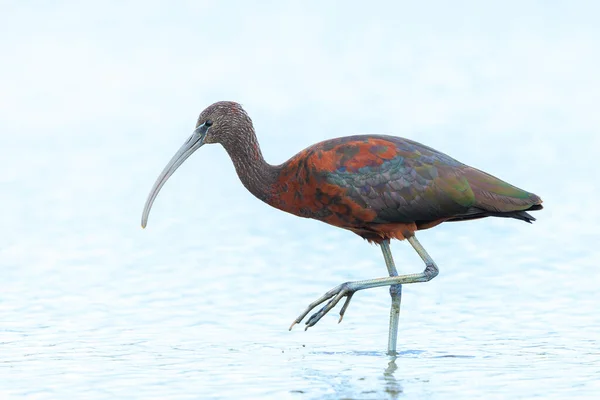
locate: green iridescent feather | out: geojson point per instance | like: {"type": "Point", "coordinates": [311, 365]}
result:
{"type": "Point", "coordinates": [422, 184]}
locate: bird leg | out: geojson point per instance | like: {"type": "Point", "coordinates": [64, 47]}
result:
{"type": "Point", "coordinates": [396, 293]}
{"type": "Point", "coordinates": [348, 289]}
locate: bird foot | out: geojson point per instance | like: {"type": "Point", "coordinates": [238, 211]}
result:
{"type": "Point", "coordinates": [334, 296]}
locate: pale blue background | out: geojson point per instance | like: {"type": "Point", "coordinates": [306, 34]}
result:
{"type": "Point", "coordinates": [95, 97]}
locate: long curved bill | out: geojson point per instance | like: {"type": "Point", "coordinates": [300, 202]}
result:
{"type": "Point", "coordinates": [193, 143]}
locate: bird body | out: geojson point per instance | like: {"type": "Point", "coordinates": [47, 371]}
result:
{"type": "Point", "coordinates": [386, 187]}
{"type": "Point", "coordinates": [379, 187]}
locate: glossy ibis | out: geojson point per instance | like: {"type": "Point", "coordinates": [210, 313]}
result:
{"type": "Point", "coordinates": [379, 187]}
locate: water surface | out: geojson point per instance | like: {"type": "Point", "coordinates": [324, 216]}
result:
{"type": "Point", "coordinates": [198, 304]}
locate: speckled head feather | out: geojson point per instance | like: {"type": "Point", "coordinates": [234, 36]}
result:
{"type": "Point", "coordinates": [231, 127]}
{"type": "Point", "coordinates": [229, 120]}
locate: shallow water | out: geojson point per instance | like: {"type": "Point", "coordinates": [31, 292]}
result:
{"type": "Point", "coordinates": [198, 304]}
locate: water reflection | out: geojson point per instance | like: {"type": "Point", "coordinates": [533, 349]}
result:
{"type": "Point", "coordinates": [392, 385]}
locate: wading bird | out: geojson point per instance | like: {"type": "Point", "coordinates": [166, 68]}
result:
{"type": "Point", "coordinates": [379, 187]}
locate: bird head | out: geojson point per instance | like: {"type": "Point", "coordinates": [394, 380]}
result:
{"type": "Point", "coordinates": [218, 123]}
{"type": "Point", "coordinates": [225, 119]}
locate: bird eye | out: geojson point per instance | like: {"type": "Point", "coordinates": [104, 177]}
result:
{"type": "Point", "coordinates": [208, 123]}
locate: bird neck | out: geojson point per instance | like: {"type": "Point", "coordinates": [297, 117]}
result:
{"type": "Point", "coordinates": [258, 176]}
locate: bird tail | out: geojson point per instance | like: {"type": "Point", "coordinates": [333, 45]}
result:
{"type": "Point", "coordinates": [494, 197]}
{"type": "Point", "coordinates": [522, 215]}
{"type": "Point", "coordinates": [476, 213]}
{"type": "Point", "coordinates": [499, 198]}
